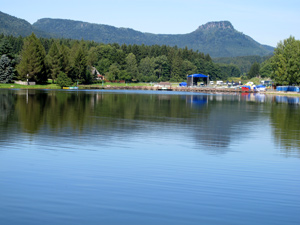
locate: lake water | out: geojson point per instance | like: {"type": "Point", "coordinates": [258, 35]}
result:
{"type": "Point", "coordinates": [146, 157]}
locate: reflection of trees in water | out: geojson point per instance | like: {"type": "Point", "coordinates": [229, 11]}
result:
{"type": "Point", "coordinates": [224, 118]}
{"type": "Point", "coordinates": [81, 110]}
{"type": "Point", "coordinates": [7, 100]}
{"type": "Point", "coordinates": [285, 121]}
{"type": "Point", "coordinates": [6, 104]}
{"type": "Point", "coordinates": [31, 106]}
{"type": "Point", "coordinates": [212, 120]}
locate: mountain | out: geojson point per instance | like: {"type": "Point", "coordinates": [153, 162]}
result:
{"type": "Point", "coordinates": [219, 39]}
{"type": "Point", "coordinates": [10, 25]}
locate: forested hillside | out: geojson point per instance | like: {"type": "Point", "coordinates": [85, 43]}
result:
{"type": "Point", "coordinates": [219, 39]}
{"type": "Point", "coordinates": [10, 25]}
{"type": "Point", "coordinates": [244, 63]}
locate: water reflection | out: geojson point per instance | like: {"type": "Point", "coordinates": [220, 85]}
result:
{"type": "Point", "coordinates": [286, 99]}
{"type": "Point", "coordinates": [260, 97]}
{"type": "Point", "coordinates": [211, 120]}
{"type": "Point", "coordinates": [285, 122]}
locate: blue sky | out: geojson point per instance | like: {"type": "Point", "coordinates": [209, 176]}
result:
{"type": "Point", "coordinates": [266, 21]}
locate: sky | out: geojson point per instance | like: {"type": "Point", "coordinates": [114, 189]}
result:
{"type": "Point", "coordinates": [266, 21]}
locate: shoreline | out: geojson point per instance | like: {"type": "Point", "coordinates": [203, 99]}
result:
{"type": "Point", "coordinates": [208, 90]}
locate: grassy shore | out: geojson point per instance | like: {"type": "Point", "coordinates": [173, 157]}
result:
{"type": "Point", "coordinates": [55, 86]}
{"type": "Point", "coordinates": [112, 85]}
{"type": "Point", "coordinates": [39, 86]}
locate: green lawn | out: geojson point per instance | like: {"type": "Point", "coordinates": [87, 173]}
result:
{"type": "Point", "coordinates": [19, 86]}
{"type": "Point", "coordinates": [54, 86]}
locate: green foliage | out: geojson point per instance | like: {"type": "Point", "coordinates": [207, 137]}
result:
{"type": "Point", "coordinates": [286, 62]}
{"type": "Point", "coordinates": [114, 72]}
{"type": "Point", "coordinates": [162, 68]}
{"type": "Point", "coordinates": [131, 66]}
{"type": "Point", "coordinates": [63, 80]}
{"type": "Point", "coordinates": [32, 65]}
{"type": "Point", "coordinates": [6, 48]}
{"type": "Point", "coordinates": [254, 70]}
{"type": "Point", "coordinates": [188, 68]}
{"type": "Point", "coordinates": [54, 61]}
{"type": "Point", "coordinates": [266, 69]}
{"type": "Point", "coordinates": [10, 25]}
{"type": "Point", "coordinates": [214, 72]}
{"type": "Point", "coordinates": [176, 69]}
{"type": "Point", "coordinates": [229, 70]}
{"type": "Point", "coordinates": [147, 70]}
{"type": "Point", "coordinates": [151, 63]}
{"type": "Point", "coordinates": [6, 69]}
{"type": "Point", "coordinates": [80, 66]}
{"type": "Point", "coordinates": [64, 61]}
{"type": "Point", "coordinates": [244, 63]}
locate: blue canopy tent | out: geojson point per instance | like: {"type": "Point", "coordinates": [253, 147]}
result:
{"type": "Point", "coordinates": [191, 81]}
{"type": "Point", "coordinates": [183, 84]}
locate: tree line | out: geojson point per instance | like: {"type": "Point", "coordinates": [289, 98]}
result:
{"type": "Point", "coordinates": [38, 59]}
{"type": "Point", "coordinates": [283, 67]}
{"type": "Point", "coordinates": [70, 61]}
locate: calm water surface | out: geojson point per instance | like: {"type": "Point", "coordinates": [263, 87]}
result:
{"type": "Point", "coordinates": [109, 157]}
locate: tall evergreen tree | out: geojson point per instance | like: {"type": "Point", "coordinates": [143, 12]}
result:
{"type": "Point", "coordinates": [146, 70]}
{"type": "Point", "coordinates": [187, 69]}
{"type": "Point", "coordinates": [6, 48]}
{"type": "Point", "coordinates": [176, 69]}
{"type": "Point", "coordinates": [32, 65]}
{"type": "Point", "coordinates": [80, 67]}
{"type": "Point", "coordinates": [6, 69]}
{"type": "Point", "coordinates": [266, 69]}
{"type": "Point", "coordinates": [131, 66]}
{"type": "Point", "coordinates": [162, 68]}
{"type": "Point", "coordinates": [114, 72]}
{"type": "Point", "coordinates": [254, 70]}
{"type": "Point", "coordinates": [65, 63]}
{"type": "Point", "coordinates": [54, 61]}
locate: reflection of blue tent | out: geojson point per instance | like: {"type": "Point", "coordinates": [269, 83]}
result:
{"type": "Point", "coordinates": [289, 100]}
{"type": "Point", "coordinates": [183, 84]}
{"type": "Point", "coordinates": [199, 100]}
{"type": "Point", "coordinates": [196, 100]}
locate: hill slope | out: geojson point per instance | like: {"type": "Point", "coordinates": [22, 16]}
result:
{"type": "Point", "coordinates": [10, 25]}
{"type": "Point", "coordinates": [219, 39]}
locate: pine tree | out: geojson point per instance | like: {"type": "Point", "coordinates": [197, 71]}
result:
{"type": "Point", "coordinates": [32, 65]}
{"type": "Point", "coordinates": [131, 66]}
{"type": "Point", "coordinates": [162, 68]}
{"type": "Point", "coordinates": [54, 61]}
{"type": "Point", "coordinates": [80, 66]}
{"type": "Point", "coordinates": [6, 69]}
{"type": "Point", "coordinates": [65, 64]}
{"type": "Point", "coordinates": [6, 49]}
{"type": "Point", "coordinates": [176, 70]}
{"type": "Point", "coordinates": [254, 70]}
